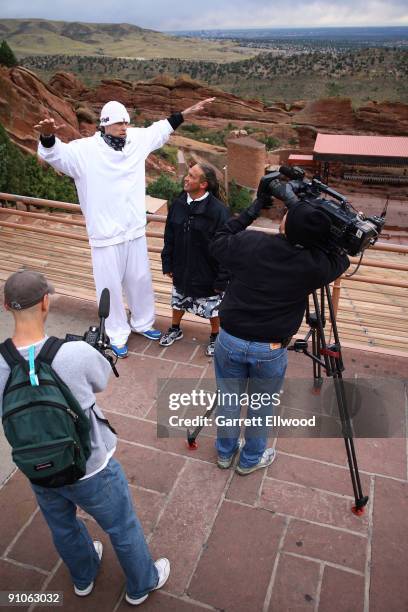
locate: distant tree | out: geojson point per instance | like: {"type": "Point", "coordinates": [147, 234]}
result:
{"type": "Point", "coordinates": [164, 187]}
{"type": "Point", "coordinates": [22, 174]}
{"type": "Point", "coordinates": [238, 197]}
{"type": "Point", "coordinates": [168, 153]}
{"type": "Point", "coordinates": [192, 127]}
{"type": "Point", "coordinates": [333, 89]}
{"type": "Point", "coordinates": [270, 142]}
{"type": "Point", "coordinates": [7, 57]}
{"type": "Point", "coordinates": [3, 167]}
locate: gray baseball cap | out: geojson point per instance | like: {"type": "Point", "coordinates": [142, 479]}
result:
{"type": "Point", "coordinates": [25, 288]}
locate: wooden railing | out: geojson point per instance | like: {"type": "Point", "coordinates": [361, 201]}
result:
{"type": "Point", "coordinates": [372, 305]}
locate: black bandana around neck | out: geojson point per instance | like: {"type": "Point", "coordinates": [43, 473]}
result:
{"type": "Point", "coordinates": [116, 142]}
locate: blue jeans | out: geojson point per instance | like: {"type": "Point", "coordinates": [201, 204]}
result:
{"type": "Point", "coordinates": [248, 367]}
{"type": "Point", "coordinates": [106, 497]}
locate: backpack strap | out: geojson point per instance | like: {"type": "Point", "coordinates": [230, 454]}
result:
{"type": "Point", "coordinates": [105, 421]}
{"type": "Point", "coordinates": [10, 354]}
{"type": "Point", "coordinates": [49, 349]}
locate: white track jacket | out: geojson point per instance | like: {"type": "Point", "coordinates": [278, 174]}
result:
{"type": "Point", "coordinates": [110, 184]}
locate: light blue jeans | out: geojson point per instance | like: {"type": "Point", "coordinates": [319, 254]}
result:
{"type": "Point", "coordinates": [246, 367]}
{"type": "Point", "coordinates": [106, 497]}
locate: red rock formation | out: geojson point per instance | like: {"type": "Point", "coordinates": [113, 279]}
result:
{"type": "Point", "coordinates": [336, 115]}
{"type": "Point", "coordinates": [156, 165]}
{"type": "Point", "coordinates": [387, 118]}
{"type": "Point", "coordinates": [164, 95]}
{"type": "Point", "coordinates": [24, 100]}
{"type": "Point", "coordinates": [68, 85]}
{"type": "Point", "coordinates": [330, 113]}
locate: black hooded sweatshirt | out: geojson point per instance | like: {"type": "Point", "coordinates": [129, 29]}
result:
{"type": "Point", "coordinates": [270, 280]}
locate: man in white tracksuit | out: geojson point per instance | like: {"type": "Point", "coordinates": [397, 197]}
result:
{"type": "Point", "coordinates": [109, 173]}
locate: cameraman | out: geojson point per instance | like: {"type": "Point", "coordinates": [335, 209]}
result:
{"type": "Point", "coordinates": [103, 492]}
{"type": "Point", "coordinates": [263, 307]}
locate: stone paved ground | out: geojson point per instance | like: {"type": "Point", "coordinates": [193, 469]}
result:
{"type": "Point", "coordinates": [279, 540]}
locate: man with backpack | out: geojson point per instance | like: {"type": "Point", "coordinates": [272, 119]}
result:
{"type": "Point", "coordinates": [62, 442]}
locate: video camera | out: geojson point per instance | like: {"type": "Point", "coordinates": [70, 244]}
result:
{"type": "Point", "coordinates": [97, 336]}
{"type": "Point", "coordinates": [351, 232]}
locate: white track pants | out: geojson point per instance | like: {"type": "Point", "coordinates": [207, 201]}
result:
{"type": "Point", "coordinates": [125, 266]}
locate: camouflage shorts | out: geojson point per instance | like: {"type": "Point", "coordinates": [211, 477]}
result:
{"type": "Point", "coordinates": [206, 307]}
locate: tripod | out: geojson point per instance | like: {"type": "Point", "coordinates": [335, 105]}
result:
{"type": "Point", "coordinates": [329, 357]}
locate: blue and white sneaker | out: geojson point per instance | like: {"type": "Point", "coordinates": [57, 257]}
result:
{"type": "Point", "coordinates": [120, 351]}
{"type": "Point", "coordinates": [151, 334]}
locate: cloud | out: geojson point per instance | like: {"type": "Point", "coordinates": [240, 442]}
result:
{"type": "Point", "coordinates": [158, 14]}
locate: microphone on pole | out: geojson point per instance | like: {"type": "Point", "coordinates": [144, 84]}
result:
{"type": "Point", "coordinates": [104, 304]}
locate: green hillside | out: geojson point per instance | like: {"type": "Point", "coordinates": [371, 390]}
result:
{"type": "Point", "coordinates": [359, 74]}
{"type": "Point", "coordinates": [40, 36]}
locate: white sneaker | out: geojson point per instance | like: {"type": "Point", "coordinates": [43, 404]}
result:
{"type": "Point", "coordinates": [210, 350]}
{"type": "Point", "coordinates": [163, 569]}
{"type": "Point", "coordinates": [267, 458]}
{"type": "Point", "coordinates": [87, 590]}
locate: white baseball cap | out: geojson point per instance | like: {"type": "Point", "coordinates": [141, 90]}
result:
{"type": "Point", "coordinates": [114, 112]}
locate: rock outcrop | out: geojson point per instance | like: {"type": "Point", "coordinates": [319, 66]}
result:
{"type": "Point", "coordinates": [24, 100]}
{"type": "Point", "coordinates": [68, 85]}
{"type": "Point", "coordinates": [337, 115]}
{"type": "Point", "coordinates": [162, 96]}
{"type": "Point", "coordinates": [385, 118]}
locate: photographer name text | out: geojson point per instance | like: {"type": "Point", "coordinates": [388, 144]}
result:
{"type": "Point", "coordinates": [255, 421]}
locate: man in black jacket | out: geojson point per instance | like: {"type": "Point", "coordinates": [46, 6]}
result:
{"type": "Point", "coordinates": [263, 307]}
{"type": "Point", "coordinates": [198, 279]}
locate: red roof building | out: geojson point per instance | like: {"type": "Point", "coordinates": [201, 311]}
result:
{"type": "Point", "coordinates": [380, 150]}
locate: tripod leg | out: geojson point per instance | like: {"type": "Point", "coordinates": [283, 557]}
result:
{"type": "Point", "coordinates": [360, 499]}
{"type": "Point", "coordinates": [191, 436]}
{"type": "Point", "coordinates": [334, 367]}
{"type": "Point", "coordinates": [317, 368]}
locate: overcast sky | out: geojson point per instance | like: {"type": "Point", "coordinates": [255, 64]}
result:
{"type": "Point", "coordinates": [187, 14]}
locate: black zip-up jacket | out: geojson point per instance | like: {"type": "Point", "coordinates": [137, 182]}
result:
{"type": "Point", "coordinates": [270, 280]}
{"type": "Point", "coordinates": [189, 231]}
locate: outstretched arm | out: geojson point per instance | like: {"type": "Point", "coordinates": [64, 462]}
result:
{"type": "Point", "coordinates": [196, 108]}
{"type": "Point", "coordinates": [158, 133]}
{"type": "Point", "coordinates": [47, 127]}
{"type": "Point", "coordinates": [59, 155]}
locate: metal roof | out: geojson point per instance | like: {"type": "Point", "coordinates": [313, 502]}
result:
{"type": "Point", "coordinates": [375, 149]}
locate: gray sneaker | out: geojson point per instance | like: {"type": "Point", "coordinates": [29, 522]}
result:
{"type": "Point", "coordinates": [224, 464]}
{"type": "Point", "coordinates": [209, 351]}
{"type": "Point", "coordinates": [171, 335]}
{"type": "Point", "coordinates": [267, 458]}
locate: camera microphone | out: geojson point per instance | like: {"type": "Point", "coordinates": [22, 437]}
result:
{"type": "Point", "coordinates": [104, 304]}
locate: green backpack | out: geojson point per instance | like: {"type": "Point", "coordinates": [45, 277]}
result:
{"type": "Point", "coordinates": [44, 424]}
